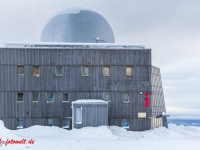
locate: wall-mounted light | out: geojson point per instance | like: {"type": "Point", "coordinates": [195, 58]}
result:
{"type": "Point", "coordinates": [140, 93]}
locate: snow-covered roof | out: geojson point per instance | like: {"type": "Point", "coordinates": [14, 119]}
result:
{"type": "Point", "coordinates": [82, 101]}
{"type": "Point", "coordinates": [71, 45]}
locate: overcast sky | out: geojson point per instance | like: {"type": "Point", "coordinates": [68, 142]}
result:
{"type": "Point", "coordinates": [170, 27]}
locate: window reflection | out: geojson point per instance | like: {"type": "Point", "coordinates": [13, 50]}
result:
{"type": "Point", "coordinates": [106, 96]}
{"type": "Point", "coordinates": [59, 70]}
{"type": "Point", "coordinates": [50, 97]}
{"type": "Point", "coordinates": [106, 71]}
{"type": "Point", "coordinates": [125, 123]}
{"type": "Point", "coordinates": [125, 97]}
{"type": "Point", "coordinates": [129, 71]}
{"type": "Point", "coordinates": [85, 71]}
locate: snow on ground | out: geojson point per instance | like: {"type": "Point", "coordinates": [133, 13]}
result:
{"type": "Point", "coordinates": [104, 138]}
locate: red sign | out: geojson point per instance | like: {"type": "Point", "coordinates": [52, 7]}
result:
{"type": "Point", "coordinates": [146, 99]}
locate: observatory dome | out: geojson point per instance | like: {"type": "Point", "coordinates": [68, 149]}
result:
{"type": "Point", "coordinates": [77, 24]}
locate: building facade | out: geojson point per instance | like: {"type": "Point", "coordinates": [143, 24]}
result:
{"type": "Point", "coordinates": [39, 82]}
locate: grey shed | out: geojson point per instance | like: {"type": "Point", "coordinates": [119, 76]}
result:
{"type": "Point", "coordinates": [89, 112]}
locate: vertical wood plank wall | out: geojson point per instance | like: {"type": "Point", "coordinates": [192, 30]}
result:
{"type": "Point", "coordinates": [78, 86]}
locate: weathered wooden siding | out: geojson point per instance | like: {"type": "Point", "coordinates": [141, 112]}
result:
{"type": "Point", "coordinates": [135, 124]}
{"type": "Point", "coordinates": [78, 86]}
{"type": "Point", "coordinates": [116, 57]}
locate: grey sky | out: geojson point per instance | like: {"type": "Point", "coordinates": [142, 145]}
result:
{"type": "Point", "coordinates": [170, 27]}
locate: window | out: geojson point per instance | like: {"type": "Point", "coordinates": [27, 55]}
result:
{"type": "Point", "coordinates": [20, 70]}
{"type": "Point", "coordinates": [141, 115]}
{"type": "Point", "coordinates": [49, 97]}
{"type": "Point", "coordinates": [125, 123]}
{"type": "Point", "coordinates": [20, 123]}
{"type": "Point", "coordinates": [36, 70]}
{"type": "Point", "coordinates": [129, 71]}
{"type": "Point", "coordinates": [125, 97]}
{"type": "Point", "coordinates": [20, 97]}
{"type": "Point", "coordinates": [78, 115]}
{"type": "Point", "coordinates": [106, 96]}
{"type": "Point", "coordinates": [85, 71]}
{"type": "Point", "coordinates": [50, 122]}
{"type": "Point", "coordinates": [65, 123]}
{"type": "Point", "coordinates": [106, 71]}
{"type": "Point", "coordinates": [35, 97]}
{"type": "Point", "coordinates": [65, 97]}
{"type": "Point", "coordinates": [58, 70]}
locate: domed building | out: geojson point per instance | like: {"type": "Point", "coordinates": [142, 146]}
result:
{"type": "Point", "coordinates": [77, 25]}
{"type": "Point", "coordinates": [77, 76]}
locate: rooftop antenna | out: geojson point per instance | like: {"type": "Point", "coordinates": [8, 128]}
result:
{"type": "Point", "coordinates": [99, 40]}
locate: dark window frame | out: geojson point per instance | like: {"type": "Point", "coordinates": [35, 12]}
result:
{"type": "Point", "coordinates": [128, 121]}
{"type": "Point", "coordinates": [57, 72]}
{"type": "Point", "coordinates": [63, 97]}
{"type": "Point", "coordinates": [66, 127]}
{"type": "Point", "coordinates": [106, 75]}
{"type": "Point", "coordinates": [18, 125]}
{"type": "Point", "coordinates": [20, 101]}
{"type": "Point", "coordinates": [127, 71]}
{"type": "Point", "coordinates": [33, 97]}
{"type": "Point", "coordinates": [47, 98]}
{"type": "Point", "coordinates": [82, 71]}
{"type": "Point", "coordinates": [18, 73]}
{"type": "Point", "coordinates": [34, 74]}
{"type": "Point", "coordinates": [108, 95]}
{"type": "Point", "coordinates": [48, 122]}
{"type": "Point", "coordinates": [128, 95]}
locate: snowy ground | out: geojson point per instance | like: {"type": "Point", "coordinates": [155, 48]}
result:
{"type": "Point", "coordinates": [103, 138]}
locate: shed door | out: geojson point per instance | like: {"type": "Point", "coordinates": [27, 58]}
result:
{"type": "Point", "coordinates": [79, 115]}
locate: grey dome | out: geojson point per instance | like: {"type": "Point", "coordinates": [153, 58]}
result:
{"type": "Point", "coordinates": [77, 24]}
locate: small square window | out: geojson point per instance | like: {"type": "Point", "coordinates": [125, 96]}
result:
{"type": "Point", "coordinates": [58, 70]}
{"type": "Point", "coordinates": [106, 71]}
{"type": "Point", "coordinates": [20, 70]}
{"type": "Point", "coordinates": [35, 97]}
{"type": "Point", "coordinates": [125, 97]}
{"type": "Point", "coordinates": [65, 123]}
{"type": "Point", "coordinates": [36, 70]}
{"type": "Point", "coordinates": [65, 97]}
{"type": "Point", "coordinates": [20, 97]}
{"type": "Point", "coordinates": [125, 123]}
{"type": "Point", "coordinates": [106, 96]}
{"type": "Point", "coordinates": [20, 123]}
{"type": "Point", "coordinates": [49, 97]}
{"type": "Point", "coordinates": [129, 71]}
{"type": "Point", "coordinates": [50, 122]}
{"type": "Point", "coordinates": [85, 71]}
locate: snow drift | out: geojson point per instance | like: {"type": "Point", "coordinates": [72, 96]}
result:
{"type": "Point", "coordinates": [104, 138]}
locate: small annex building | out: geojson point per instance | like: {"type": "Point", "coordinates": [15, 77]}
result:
{"type": "Point", "coordinates": [92, 113]}
{"type": "Point", "coordinates": [77, 76]}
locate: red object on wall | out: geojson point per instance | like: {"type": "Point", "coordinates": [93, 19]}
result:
{"type": "Point", "coordinates": [146, 99]}
{"type": "Point", "coordinates": [147, 94]}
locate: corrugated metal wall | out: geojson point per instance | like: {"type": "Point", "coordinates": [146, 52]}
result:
{"type": "Point", "coordinates": [157, 96]}
{"type": "Point", "coordinates": [92, 115]}
{"type": "Point", "coordinates": [78, 87]}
